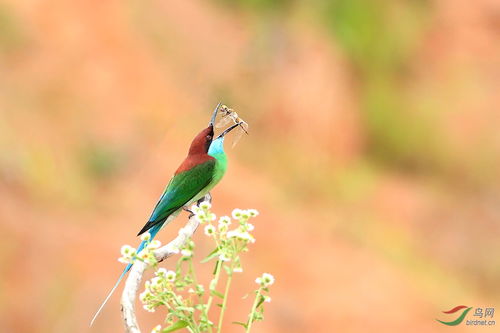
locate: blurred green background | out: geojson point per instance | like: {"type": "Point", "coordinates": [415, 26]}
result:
{"type": "Point", "coordinates": [373, 153]}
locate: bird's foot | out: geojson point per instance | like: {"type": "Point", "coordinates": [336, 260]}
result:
{"type": "Point", "coordinates": [185, 208]}
{"type": "Point", "coordinates": [207, 197]}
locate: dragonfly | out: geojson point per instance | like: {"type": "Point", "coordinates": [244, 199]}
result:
{"type": "Point", "coordinates": [228, 116]}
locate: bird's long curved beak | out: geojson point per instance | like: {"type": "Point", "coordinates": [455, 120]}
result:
{"type": "Point", "coordinates": [214, 115]}
{"type": "Point", "coordinates": [229, 129]}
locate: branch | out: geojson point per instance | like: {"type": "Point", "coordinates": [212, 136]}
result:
{"type": "Point", "coordinates": [135, 275]}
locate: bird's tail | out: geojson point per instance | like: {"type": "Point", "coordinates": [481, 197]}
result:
{"type": "Point", "coordinates": [153, 231]}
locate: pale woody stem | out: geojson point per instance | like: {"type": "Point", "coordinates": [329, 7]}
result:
{"type": "Point", "coordinates": [135, 275]}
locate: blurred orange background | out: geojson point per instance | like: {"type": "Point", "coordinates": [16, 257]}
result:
{"type": "Point", "coordinates": [373, 154]}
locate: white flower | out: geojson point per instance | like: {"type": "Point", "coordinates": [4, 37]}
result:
{"type": "Point", "coordinates": [170, 276]}
{"type": "Point", "coordinates": [155, 281]}
{"type": "Point", "coordinates": [249, 227]}
{"type": "Point", "coordinates": [223, 257]}
{"type": "Point", "coordinates": [144, 295]}
{"type": "Point", "coordinates": [225, 220]}
{"type": "Point", "coordinates": [222, 227]}
{"type": "Point", "coordinates": [195, 209]}
{"type": "Point", "coordinates": [124, 260]}
{"type": "Point", "coordinates": [211, 217]}
{"type": "Point", "coordinates": [245, 215]}
{"type": "Point", "coordinates": [146, 236]}
{"type": "Point", "coordinates": [246, 237]}
{"type": "Point", "coordinates": [156, 329]}
{"type": "Point", "coordinates": [161, 272]}
{"type": "Point", "coordinates": [144, 254]}
{"type": "Point", "coordinates": [266, 280]}
{"type": "Point", "coordinates": [205, 205]}
{"type": "Point", "coordinates": [186, 253]}
{"type": "Point", "coordinates": [233, 233]}
{"type": "Point", "coordinates": [191, 290]}
{"type": "Point", "coordinates": [127, 251]}
{"type": "Point", "coordinates": [147, 256]}
{"type": "Point", "coordinates": [253, 212]}
{"type": "Point", "coordinates": [149, 308]}
{"type": "Point", "coordinates": [238, 269]}
{"type": "Point", "coordinates": [200, 217]}
{"type": "Point", "coordinates": [237, 213]}
{"type": "Point", "coordinates": [241, 235]}
{"type": "Point", "coordinates": [209, 230]}
{"type": "Point", "coordinates": [154, 244]}
{"type": "Point", "coordinates": [267, 299]}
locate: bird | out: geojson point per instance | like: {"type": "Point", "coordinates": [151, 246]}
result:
{"type": "Point", "coordinates": [201, 170]}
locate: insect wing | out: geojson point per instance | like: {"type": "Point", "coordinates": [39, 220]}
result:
{"type": "Point", "coordinates": [237, 137]}
{"type": "Point", "coordinates": [223, 121]}
{"type": "Point", "coordinates": [243, 128]}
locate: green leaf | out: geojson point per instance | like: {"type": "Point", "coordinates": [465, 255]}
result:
{"type": "Point", "coordinates": [261, 300]}
{"type": "Point", "coordinates": [211, 255]}
{"type": "Point", "coordinates": [219, 305]}
{"type": "Point", "coordinates": [216, 293]}
{"type": "Point", "coordinates": [240, 323]}
{"type": "Point", "coordinates": [215, 268]}
{"type": "Point", "coordinates": [176, 326]}
{"type": "Point", "coordinates": [185, 308]}
{"type": "Point", "coordinates": [227, 269]}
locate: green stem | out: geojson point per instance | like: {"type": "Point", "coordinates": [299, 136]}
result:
{"type": "Point", "coordinates": [195, 326]}
{"type": "Point", "coordinates": [193, 276]}
{"type": "Point", "coordinates": [252, 313]}
{"type": "Point", "coordinates": [211, 297]}
{"type": "Point", "coordinates": [195, 282]}
{"type": "Point", "coordinates": [224, 302]}
{"type": "Point", "coordinates": [188, 316]}
{"type": "Point", "coordinates": [192, 272]}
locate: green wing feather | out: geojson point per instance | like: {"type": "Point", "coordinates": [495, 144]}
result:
{"type": "Point", "coordinates": [181, 189]}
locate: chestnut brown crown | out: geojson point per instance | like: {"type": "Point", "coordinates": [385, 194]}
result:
{"type": "Point", "coordinates": [202, 141]}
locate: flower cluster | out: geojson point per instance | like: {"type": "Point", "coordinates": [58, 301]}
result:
{"type": "Point", "coordinates": [129, 253]}
{"type": "Point", "coordinates": [202, 212]}
{"type": "Point", "coordinates": [265, 280]}
{"type": "Point", "coordinates": [188, 302]}
{"type": "Point", "coordinates": [158, 289]}
{"type": "Point", "coordinates": [257, 313]}
{"type": "Point", "coordinates": [187, 250]}
{"type": "Point", "coordinates": [229, 241]}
